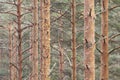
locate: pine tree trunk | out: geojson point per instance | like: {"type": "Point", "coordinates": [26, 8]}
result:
{"type": "Point", "coordinates": [0, 58]}
{"type": "Point", "coordinates": [19, 39]}
{"type": "Point", "coordinates": [42, 39]}
{"type": "Point", "coordinates": [61, 61]}
{"type": "Point", "coordinates": [46, 37]}
{"type": "Point", "coordinates": [61, 56]}
{"type": "Point", "coordinates": [104, 43]}
{"type": "Point", "coordinates": [89, 40]}
{"type": "Point", "coordinates": [10, 51]}
{"type": "Point", "coordinates": [14, 60]}
{"type": "Point", "coordinates": [35, 41]}
{"type": "Point", "coordinates": [12, 54]}
{"type": "Point", "coordinates": [73, 25]}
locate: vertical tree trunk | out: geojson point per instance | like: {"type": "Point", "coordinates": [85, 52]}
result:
{"type": "Point", "coordinates": [73, 25]}
{"type": "Point", "coordinates": [19, 39]}
{"type": "Point", "coordinates": [0, 58]}
{"type": "Point", "coordinates": [42, 39]}
{"type": "Point", "coordinates": [89, 40]}
{"type": "Point", "coordinates": [104, 43]}
{"type": "Point", "coordinates": [35, 42]}
{"type": "Point", "coordinates": [46, 35]}
{"type": "Point", "coordinates": [10, 51]}
{"type": "Point", "coordinates": [12, 54]}
{"type": "Point", "coordinates": [61, 61]}
{"type": "Point", "coordinates": [14, 60]}
{"type": "Point", "coordinates": [61, 55]}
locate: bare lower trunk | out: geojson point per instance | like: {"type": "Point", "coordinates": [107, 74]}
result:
{"type": "Point", "coordinates": [35, 42]}
{"type": "Point", "coordinates": [42, 39]}
{"type": "Point", "coordinates": [12, 54]}
{"type": "Point", "coordinates": [10, 51]}
{"type": "Point", "coordinates": [61, 55]}
{"type": "Point", "coordinates": [46, 37]}
{"type": "Point", "coordinates": [104, 43]}
{"type": "Point", "coordinates": [89, 40]}
{"type": "Point", "coordinates": [19, 39]}
{"type": "Point", "coordinates": [73, 25]}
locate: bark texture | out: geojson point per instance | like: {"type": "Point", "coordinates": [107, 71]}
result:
{"type": "Point", "coordinates": [46, 39]}
{"type": "Point", "coordinates": [73, 25]}
{"type": "Point", "coordinates": [12, 54]}
{"type": "Point", "coordinates": [19, 39]}
{"type": "Point", "coordinates": [104, 43]}
{"type": "Point", "coordinates": [35, 42]}
{"type": "Point", "coordinates": [89, 40]}
{"type": "Point", "coordinates": [61, 55]}
{"type": "Point", "coordinates": [42, 39]}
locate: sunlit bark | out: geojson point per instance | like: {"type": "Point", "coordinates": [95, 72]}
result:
{"type": "Point", "coordinates": [46, 37]}
{"type": "Point", "coordinates": [89, 40]}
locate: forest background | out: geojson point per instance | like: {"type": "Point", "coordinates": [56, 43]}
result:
{"type": "Point", "coordinates": [60, 40]}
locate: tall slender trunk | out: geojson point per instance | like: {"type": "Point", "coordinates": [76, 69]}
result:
{"type": "Point", "coordinates": [12, 54]}
{"type": "Point", "coordinates": [0, 58]}
{"type": "Point", "coordinates": [42, 39]}
{"type": "Point", "coordinates": [19, 39]}
{"type": "Point", "coordinates": [89, 40]}
{"type": "Point", "coordinates": [61, 55]}
{"type": "Point", "coordinates": [46, 37]}
{"type": "Point", "coordinates": [73, 25]}
{"type": "Point", "coordinates": [10, 51]}
{"type": "Point", "coordinates": [61, 61]}
{"type": "Point", "coordinates": [14, 60]}
{"type": "Point", "coordinates": [104, 43]}
{"type": "Point", "coordinates": [35, 42]}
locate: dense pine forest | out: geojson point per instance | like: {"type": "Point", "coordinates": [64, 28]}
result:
{"type": "Point", "coordinates": [59, 39]}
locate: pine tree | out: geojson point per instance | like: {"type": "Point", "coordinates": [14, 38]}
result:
{"type": "Point", "coordinates": [104, 43]}
{"type": "Point", "coordinates": [73, 25]}
{"type": "Point", "coordinates": [46, 39]}
{"type": "Point", "coordinates": [89, 40]}
{"type": "Point", "coordinates": [19, 2]}
{"type": "Point", "coordinates": [34, 34]}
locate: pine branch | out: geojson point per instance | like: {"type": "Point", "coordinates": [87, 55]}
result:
{"type": "Point", "coordinates": [114, 49]}
{"type": "Point", "coordinates": [114, 36]}
{"type": "Point", "coordinates": [9, 12]}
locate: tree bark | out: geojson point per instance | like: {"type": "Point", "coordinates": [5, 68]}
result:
{"type": "Point", "coordinates": [35, 42]}
{"type": "Point", "coordinates": [61, 55]}
{"type": "Point", "coordinates": [12, 54]}
{"type": "Point", "coordinates": [46, 38]}
{"type": "Point", "coordinates": [73, 25]}
{"type": "Point", "coordinates": [89, 40]}
{"type": "Point", "coordinates": [104, 43]}
{"type": "Point", "coordinates": [42, 39]}
{"type": "Point", "coordinates": [10, 51]}
{"type": "Point", "coordinates": [19, 39]}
